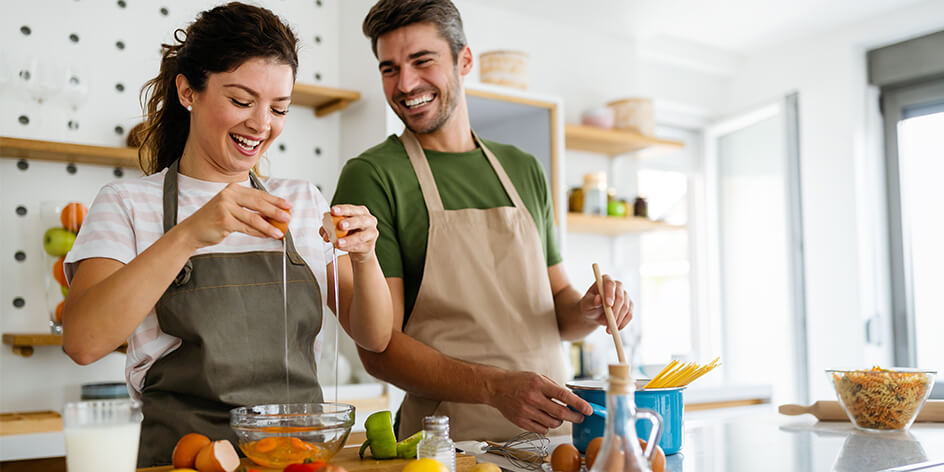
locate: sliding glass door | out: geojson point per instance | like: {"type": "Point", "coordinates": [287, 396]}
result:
{"type": "Point", "coordinates": [914, 138]}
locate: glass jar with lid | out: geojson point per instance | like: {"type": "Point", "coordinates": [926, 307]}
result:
{"type": "Point", "coordinates": [594, 193]}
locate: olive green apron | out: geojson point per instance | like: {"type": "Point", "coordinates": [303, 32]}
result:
{"type": "Point", "coordinates": [226, 308]}
{"type": "Point", "coordinates": [485, 298]}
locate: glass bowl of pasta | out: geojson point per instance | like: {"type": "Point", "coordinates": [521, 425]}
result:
{"type": "Point", "coordinates": [882, 399]}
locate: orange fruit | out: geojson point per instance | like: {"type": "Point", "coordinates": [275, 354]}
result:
{"type": "Point", "coordinates": [218, 456]}
{"type": "Point", "coordinates": [72, 216]}
{"type": "Point", "coordinates": [186, 450]}
{"type": "Point", "coordinates": [59, 273]}
{"type": "Point", "coordinates": [59, 308]}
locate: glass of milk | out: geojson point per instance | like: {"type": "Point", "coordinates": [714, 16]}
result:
{"type": "Point", "coordinates": [102, 435]}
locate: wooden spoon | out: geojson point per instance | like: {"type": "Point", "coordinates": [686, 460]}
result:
{"type": "Point", "coordinates": [610, 319]}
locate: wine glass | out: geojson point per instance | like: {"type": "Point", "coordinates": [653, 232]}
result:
{"type": "Point", "coordinates": [44, 79]}
{"type": "Point", "coordinates": [75, 90]}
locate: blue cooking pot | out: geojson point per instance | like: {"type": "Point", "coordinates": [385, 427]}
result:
{"type": "Point", "coordinates": [667, 402]}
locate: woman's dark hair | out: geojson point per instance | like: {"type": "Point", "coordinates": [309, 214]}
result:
{"type": "Point", "coordinates": [220, 40]}
{"type": "Point", "coordinates": [388, 15]}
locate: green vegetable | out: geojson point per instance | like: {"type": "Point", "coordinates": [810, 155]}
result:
{"type": "Point", "coordinates": [380, 437]}
{"type": "Point", "coordinates": [406, 449]}
{"type": "Point", "coordinates": [383, 442]}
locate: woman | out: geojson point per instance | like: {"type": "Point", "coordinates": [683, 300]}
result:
{"type": "Point", "coordinates": [186, 263]}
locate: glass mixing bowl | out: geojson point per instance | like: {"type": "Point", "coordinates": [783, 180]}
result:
{"type": "Point", "coordinates": [882, 399]}
{"type": "Point", "coordinates": [280, 434]}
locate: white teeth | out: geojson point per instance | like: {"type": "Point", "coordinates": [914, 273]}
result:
{"type": "Point", "coordinates": [418, 101]}
{"type": "Point", "coordinates": [249, 144]}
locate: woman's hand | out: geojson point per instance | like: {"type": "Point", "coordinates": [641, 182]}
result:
{"type": "Point", "coordinates": [237, 208]}
{"type": "Point", "coordinates": [360, 228]}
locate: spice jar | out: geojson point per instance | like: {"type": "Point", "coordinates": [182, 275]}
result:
{"type": "Point", "coordinates": [594, 193]}
{"type": "Point", "coordinates": [575, 200]}
{"type": "Point", "coordinates": [641, 208]}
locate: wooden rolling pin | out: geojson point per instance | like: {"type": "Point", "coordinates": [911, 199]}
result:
{"type": "Point", "coordinates": [829, 410]}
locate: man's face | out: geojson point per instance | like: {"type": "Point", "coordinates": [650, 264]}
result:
{"type": "Point", "coordinates": [420, 77]}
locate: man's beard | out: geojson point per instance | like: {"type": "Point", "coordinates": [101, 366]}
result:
{"type": "Point", "coordinates": [447, 107]}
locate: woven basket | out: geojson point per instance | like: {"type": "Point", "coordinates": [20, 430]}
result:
{"type": "Point", "coordinates": [633, 114]}
{"type": "Point", "coordinates": [508, 68]}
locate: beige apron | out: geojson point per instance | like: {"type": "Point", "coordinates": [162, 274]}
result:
{"type": "Point", "coordinates": [485, 298]}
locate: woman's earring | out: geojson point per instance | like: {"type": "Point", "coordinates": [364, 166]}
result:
{"type": "Point", "coordinates": [189, 107]}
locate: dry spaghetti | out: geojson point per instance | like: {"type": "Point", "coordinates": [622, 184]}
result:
{"type": "Point", "coordinates": [680, 375]}
{"type": "Point", "coordinates": [881, 399]}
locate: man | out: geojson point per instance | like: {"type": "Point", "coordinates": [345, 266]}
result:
{"type": "Point", "coordinates": [467, 246]}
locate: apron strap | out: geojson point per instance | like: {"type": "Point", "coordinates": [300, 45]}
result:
{"type": "Point", "coordinates": [428, 183]}
{"type": "Point", "coordinates": [423, 173]}
{"type": "Point", "coordinates": [502, 175]}
{"type": "Point", "coordinates": [289, 241]}
{"type": "Point", "coordinates": [170, 196]}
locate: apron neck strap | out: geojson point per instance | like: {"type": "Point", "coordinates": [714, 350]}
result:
{"type": "Point", "coordinates": [171, 195]}
{"type": "Point", "coordinates": [425, 175]}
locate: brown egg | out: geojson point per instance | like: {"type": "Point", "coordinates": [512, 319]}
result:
{"type": "Point", "coordinates": [592, 450]}
{"type": "Point", "coordinates": [565, 458]}
{"type": "Point", "coordinates": [185, 452]}
{"type": "Point", "coordinates": [330, 224]}
{"type": "Point", "coordinates": [614, 459]}
{"type": "Point", "coordinates": [218, 456]}
{"type": "Point", "coordinates": [658, 457]}
{"type": "Point", "coordinates": [281, 225]}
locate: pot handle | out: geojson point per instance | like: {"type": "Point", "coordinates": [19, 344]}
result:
{"type": "Point", "coordinates": [655, 435]}
{"type": "Point", "coordinates": [598, 410]}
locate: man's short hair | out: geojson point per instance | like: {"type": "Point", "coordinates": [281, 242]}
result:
{"type": "Point", "coordinates": [388, 15]}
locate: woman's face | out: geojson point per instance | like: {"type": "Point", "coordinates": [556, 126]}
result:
{"type": "Point", "coordinates": [239, 114]}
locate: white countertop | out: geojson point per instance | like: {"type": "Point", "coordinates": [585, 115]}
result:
{"type": "Point", "coordinates": [756, 438]}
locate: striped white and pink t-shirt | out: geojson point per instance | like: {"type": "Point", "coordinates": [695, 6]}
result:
{"type": "Point", "coordinates": [127, 217]}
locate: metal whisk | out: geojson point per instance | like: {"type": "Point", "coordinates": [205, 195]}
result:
{"type": "Point", "coordinates": [526, 450]}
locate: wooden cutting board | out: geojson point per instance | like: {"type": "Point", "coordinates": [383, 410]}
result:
{"type": "Point", "coordinates": [829, 410]}
{"type": "Point", "coordinates": [347, 457]}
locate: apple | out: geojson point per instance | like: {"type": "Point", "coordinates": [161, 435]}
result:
{"type": "Point", "coordinates": [58, 241]}
{"type": "Point", "coordinates": [64, 290]}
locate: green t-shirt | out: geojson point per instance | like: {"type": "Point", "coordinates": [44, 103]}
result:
{"type": "Point", "coordinates": [382, 179]}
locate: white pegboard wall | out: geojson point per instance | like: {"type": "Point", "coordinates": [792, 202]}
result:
{"type": "Point", "coordinates": [112, 47]}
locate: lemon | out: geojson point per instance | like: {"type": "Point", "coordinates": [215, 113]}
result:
{"type": "Point", "coordinates": [485, 467]}
{"type": "Point", "coordinates": [425, 465]}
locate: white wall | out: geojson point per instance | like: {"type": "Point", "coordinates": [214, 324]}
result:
{"type": "Point", "coordinates": [49, 378]}
{"type": "Point", "coordinates": [842, 187]}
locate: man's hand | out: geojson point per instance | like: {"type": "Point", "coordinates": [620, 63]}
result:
{"type": "Point", "coordinates": [534, 402]}
{"type": "Point", "coordinates": [591, 305]}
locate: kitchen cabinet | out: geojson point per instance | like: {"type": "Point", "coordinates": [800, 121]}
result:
{"type": "Point", "coordinates": [324, 101]}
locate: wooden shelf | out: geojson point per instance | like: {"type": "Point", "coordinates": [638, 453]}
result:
{"type": "Point", "coordinates": [68, 152]}
{"type": "Point", "coordinates": [23, 343]}
{"type": "Point", "coordinates": [614, 225]}
{"type": "Point", "coordinates": [613, 142]}
{"type": "Point", "coordinates": [30, 422]}
{"type": "Point", "coordinates": [325, 100]}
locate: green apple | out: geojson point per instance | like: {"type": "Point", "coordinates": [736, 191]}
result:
{"type": "Point", "coordinates": [65, 290]}
{"type": "Point", "coordinates": [58, 241]}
